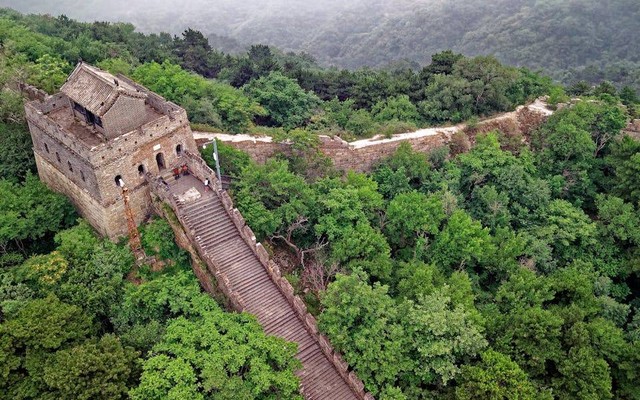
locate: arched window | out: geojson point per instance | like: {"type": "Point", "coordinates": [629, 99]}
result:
{"type": "Point", "coordinates": [82, 176]}
{"type": "Point", "coordinates": [119, 181]}
{"type": "Point", "coordinates": [179, 150]}
{"type": "Point", "coordinates": [58, 157]}
{"type": "Point", "coordinates": [160, 161]}
{"type": "Point", "coordinates": [141, 169]}
{"type": "Point", "coordinates": [69, 165]}
{"type": "Point", "coordinates": [46, 148]}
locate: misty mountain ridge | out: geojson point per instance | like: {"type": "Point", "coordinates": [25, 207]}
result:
{"type": "Point", "coordinates": [570, 40]}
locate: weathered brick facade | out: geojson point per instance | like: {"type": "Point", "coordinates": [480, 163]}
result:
{"type": "Point", "coordinates": [140, 132]}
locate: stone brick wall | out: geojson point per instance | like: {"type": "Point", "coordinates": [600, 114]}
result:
{"type": "Point", "coordinates": [87, 206]}
{"type": "Point", "coordinates": [363, 155]}
{"type": "Point", "coordinates": [364, 159]}
{"type": "Point", "coordinates": [32, 92]}
{"type": "Point", "coordinates": [87, 174]}
{"type": "Point", "coordinates": [81, 173]}
{"type": "Point", "coordinates": [132, 156]}
{"type": "Point", "coordinates": [36, 116]}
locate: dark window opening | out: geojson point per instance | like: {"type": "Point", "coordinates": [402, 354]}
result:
{"type": "Point", "coordinates": [82, 176]}
{"type": "Point", "coordinates": [58, 156]}
{"type": "Point", "coordinates": [46, 147]}
{"type": "Point", "coordinates": [91, 117]}
{"type": "Point", "coordinates": [119, 181]}
{"type": "Point", "coordinates": [79, 108]}
{"type": "Point", "coordinates": [160, 161]}
{"type": "Point", "coordinates": [179, 150]}
{"type": "Point", "coordinates": [69, 165]}
{"type": "Point", "coordinates": [141, 169]}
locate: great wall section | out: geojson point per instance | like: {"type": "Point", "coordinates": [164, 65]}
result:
{"type": "Point", "coordinates": [90, 166]}
{"type": "Point", "coordinates": [250, 280]}
{"type": "Point", "coordinates": [362, 155]}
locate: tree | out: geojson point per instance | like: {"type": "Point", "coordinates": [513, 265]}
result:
{"type": "Point", "coordinates": [219, 355]}
{"type": "Point", "coordinates": [141, 316]}
{"type": "Point", "coordinates": [49, 73]}
{"type": "Point", "coordinates": [93, 370]}
{"type": "Point", "coordinates": [572, 140]}
{"type": "Point", "coordinates": [31, 212]}
{"type": "Point", "coordinates": [193, 50]}
{"type": "Point", "coordinates": [567, 229]}
{"type": "Point", "coordinates": [462, 242]}
{"type": "Point", "coordinates": [407, 165]}
{"type": "Point", "coordinates": [29, 336]}
{"type": "Point", "coordinates": [447, 98]}
{"type": "Point", "coordinates": [496, 378]}
{"type": "Point", "coordinates": [16, 161]}
{"type": "Point", "coordinates": [398, 108]}
{"type": "Point", "coordinates": [624, 160]}
{"type": "Point", "coordinates": [583, 376]}
{"type": "Point", "coordinates": [443, 336]}
{"type": "Point", "coordinates": [206, 101]}
{"type": "Point", "coordinates": [411, 216]}
{"type": "Point", "coordinates": [362, 323]}
{"type": "Point", "coordinates": [443, 63]}
{"type": "Point", "coordinates": [271, 197]}
{"type": "Point", "coordinates": [285, 102]}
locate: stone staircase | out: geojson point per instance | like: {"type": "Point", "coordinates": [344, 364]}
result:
{"type": "Point", "coordinates": [240, 268]}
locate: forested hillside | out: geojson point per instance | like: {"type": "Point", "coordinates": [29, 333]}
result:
{"type": "Point", "coordinates": [266, 88]}
{"type": "Point", "coordinates": [506, 270]}
{"type": "Point", "coordinates": [571, 40]}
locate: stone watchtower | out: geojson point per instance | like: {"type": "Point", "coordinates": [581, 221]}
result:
{"type": "Point", "coordinates": [101, 131]}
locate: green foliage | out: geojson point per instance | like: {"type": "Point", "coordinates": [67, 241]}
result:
{"type": "Point", "coordinates": [570, 143]}
{"type": "Point", "coordinates": [285, 102]}
{"type": "Point", "coordinates": [271, 197]}
{"type": "Point", "coordinates": [232, 161]}
{"type": "Point", "coordinates": [30, 336]}
{"type": "Point", "coordinates": [158, 239]}
{"type": "Point", "coordinates": [49, 73]}
{"type": "Point", "coordinates": [404, 170]}
{"type": "Point", "coordinates": [362, 323]}
{"type": "Point", "coordinates": [412, 215]}
{"type": "Point", "coordinates": [92, 370]}
{"type": "Point", "coordinates": [218, 355]}
{"type": "Point", "coordinates": [625, 162]}
{"type": "Point", "coordinates": [30, 214]}
{"type": "Point", "coordinates": [403, 345]}
{"type": "Point", "coordinates": [16, 160]}
{"type": "Point", "coordinates": [46, 355]}
{"type": "Point", "coordinates": [141, 315]}
{"type": "Point", "coordinates": [396, 108]}
{"type": "Point", "coordinates": [206, 101]}
{"type": "Point", "coordinates": [462, 242]}
{"type": "Point", "coordinates": [496, 378]}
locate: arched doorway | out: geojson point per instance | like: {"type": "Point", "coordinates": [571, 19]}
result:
{"type": "Point", "coordinates": [160, 161]}
{"type": "Point", "coordinates": [179, 150]}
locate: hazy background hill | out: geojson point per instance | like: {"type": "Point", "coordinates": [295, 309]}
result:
{"type": "Point", "coordinates": [569, 39]}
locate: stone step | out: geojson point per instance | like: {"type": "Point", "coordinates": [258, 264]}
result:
{"type": "Point", "coordinates": [220, 230]}
{"type": "Point", "coordinates": [219, 238]}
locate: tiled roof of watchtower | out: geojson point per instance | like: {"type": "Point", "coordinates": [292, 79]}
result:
{"type": "Point", "coordinates": [96, 90]}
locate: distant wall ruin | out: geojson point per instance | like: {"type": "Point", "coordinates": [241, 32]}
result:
{"type": "Point", "coordinates": [633, 129]}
